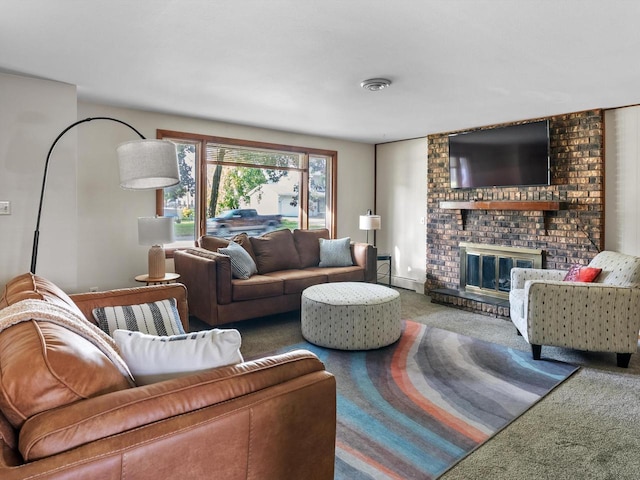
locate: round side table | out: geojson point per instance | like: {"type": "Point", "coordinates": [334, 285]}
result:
{"type": "Point", "coordinates": [168, 278]}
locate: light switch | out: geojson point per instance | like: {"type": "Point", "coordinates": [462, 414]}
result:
{"type": "Point", "coordinates": [5, 207]}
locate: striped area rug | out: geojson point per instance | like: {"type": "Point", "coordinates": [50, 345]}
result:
{"type": "Point", "coordinates": [415, 408]}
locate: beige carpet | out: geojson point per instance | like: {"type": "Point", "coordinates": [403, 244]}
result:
{"type": "Point", "coordinates": [587, 428]}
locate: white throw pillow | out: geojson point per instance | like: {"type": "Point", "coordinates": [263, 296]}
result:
{"type": "Point", "coordinates": [335, 253]}
{"type": "Point", "coordinates": [153, 359]}
{"type": "Point", "coordinates": [157, 318]}
{"type": "Point", "coordinates": [242, 265]}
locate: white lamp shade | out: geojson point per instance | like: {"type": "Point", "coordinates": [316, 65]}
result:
{"type": "Point", "coordinates": [155, 230]}
{"type": "Point", "coordinates": [148, 164]}
{"type": "Point", "coordinates": [370, 222]}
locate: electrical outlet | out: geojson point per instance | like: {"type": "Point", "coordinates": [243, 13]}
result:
{"type": "Point", "coordinates": [5, 207]}
{"type": "Point", "coordinates": [93, 289]}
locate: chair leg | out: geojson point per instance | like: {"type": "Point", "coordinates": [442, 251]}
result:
{"type": "Point", "coordinates": [623, 359]}
{"type": "Point", "coordinates": [536, 350]}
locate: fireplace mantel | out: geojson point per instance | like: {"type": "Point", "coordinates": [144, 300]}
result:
{"type": "Point", "coordinates": [532, 205]}
{"type": "Point", "coordinates": [541, 206]}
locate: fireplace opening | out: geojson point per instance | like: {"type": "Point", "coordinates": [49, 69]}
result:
{"type": "Point", "coordinates": [486, 269]}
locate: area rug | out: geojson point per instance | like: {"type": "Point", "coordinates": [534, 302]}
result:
{"type": "Point", "coordinates": [414, 409]}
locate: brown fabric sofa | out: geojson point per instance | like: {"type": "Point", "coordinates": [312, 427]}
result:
{"type": "Point", "coordinates": [66, 412]}
{"type": "Point", "coordinates": [287, 263]}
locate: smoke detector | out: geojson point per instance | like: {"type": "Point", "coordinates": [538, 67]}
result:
{"type": "Point", "coordinates": [375, 84]}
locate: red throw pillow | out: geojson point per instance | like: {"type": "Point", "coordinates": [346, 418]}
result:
{"type": "Point", "coordinates": [579, 273]}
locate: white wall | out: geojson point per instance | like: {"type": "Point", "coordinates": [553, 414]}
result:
{"type": "Point", "coordinates": [622, 180]}
{"type": "Point", "coordinates": [108, 252]}
{"type": "Point", "coordinates": [32, 113]}
{"type": "Point", "coordinates": [89, 226]}
{"type": "Point", "coordinates": [401, 201]}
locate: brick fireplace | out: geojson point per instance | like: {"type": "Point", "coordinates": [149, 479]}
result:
{"type": "Point", "coordinates": [564, 220]}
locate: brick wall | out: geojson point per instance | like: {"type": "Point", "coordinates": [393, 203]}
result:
{"type": "Point", "coordinates": [572, 235]}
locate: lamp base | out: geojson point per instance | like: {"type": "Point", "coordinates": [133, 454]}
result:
{"type": "Point", "coordinates": [157, 266]}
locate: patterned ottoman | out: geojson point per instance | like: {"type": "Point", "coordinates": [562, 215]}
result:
{"type": "Point", "coordinates": [351, 315]}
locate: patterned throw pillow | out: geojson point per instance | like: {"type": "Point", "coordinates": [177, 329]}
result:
{"type": "Point", "coordinates": [335, 253]}
{"type": "Point", "coordinates": [157, 318]}
{"type": "Point", "coordinates": [579, 273]}
{"type": "Point", "coordinates": [152, 358]}
{"type": "Point", "coordinates": [242, 265]}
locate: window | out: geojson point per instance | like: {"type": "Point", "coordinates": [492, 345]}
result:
{"type": "Point", "coordinates": [228, 186]}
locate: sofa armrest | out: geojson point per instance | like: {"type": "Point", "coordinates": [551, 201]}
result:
{"type": "Point", "coordinates": [83, 422]}
{"type": "Point", "coordinates": [366, 256]}
{"type": "Point", "coordinates": [520, 275]}
{"type": "Point", "coordinates": [86, 302]}
{"type": "Point", "coordinates": [600, 317]}
{"type": "Point", "coordinates": [207, 276]}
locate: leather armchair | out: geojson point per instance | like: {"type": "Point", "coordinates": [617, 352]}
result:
{"type": "Point", "coordinates": [272, 418]}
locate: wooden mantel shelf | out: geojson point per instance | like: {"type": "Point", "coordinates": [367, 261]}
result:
{"type": "Point", "coordinates": [533, 205]}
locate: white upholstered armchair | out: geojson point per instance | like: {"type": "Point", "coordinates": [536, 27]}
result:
{"type": "Point", "coordinates": [603, 316]}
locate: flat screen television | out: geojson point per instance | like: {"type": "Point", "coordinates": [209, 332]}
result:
{"type": "Point", "coordinates": [500, 157]}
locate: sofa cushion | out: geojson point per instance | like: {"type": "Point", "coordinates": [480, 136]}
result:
{"type": "Point", "coordinates": [212, 243]}
{"type": "Point", "coordinates": [275, 251]}
{"type": "Point", "coordinates": [156, 318]}
{"type": "Point", "coordinates": [258, 286]}
{"type": "Point", "coordinates": [153, 358]}
{"type": "Point", "coordinates": [45, 365]}
{"type": "Point", "coordinates": [341, 274]}
{"type": "Point", "coordinates": [335, 253]}
{"type": "Point", "coordinates": [308, 245]}
{"type": "Point", "coordinates": [295, 281]}
{"type": "Point", "coordinates": [617, 269]}
{"type": "Point", "coordinates": [242, 265]}
{"type": "Point", "coordinates": [31, 286]}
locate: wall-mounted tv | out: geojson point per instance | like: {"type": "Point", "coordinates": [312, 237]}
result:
{"type": "Point", "coordinates": [500, 157]}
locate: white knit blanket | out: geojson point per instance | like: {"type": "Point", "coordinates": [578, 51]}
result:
{"type": "Point", "coordinates": [40, 310]}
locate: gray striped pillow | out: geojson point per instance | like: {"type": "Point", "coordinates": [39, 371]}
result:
{"type": "Point", "coordinates": [157, 318]}
{"type": "Point", "coordinates": [242, 265]}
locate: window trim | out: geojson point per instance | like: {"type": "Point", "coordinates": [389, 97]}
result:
{"type": "Point", "coordinates": [201, 164]}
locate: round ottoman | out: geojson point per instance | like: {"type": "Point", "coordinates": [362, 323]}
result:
{"type": "Point", "coordinates": [350, 315]}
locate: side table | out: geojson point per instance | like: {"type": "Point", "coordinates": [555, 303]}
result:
{"type": "Point", "coordinates": [168, 278]}
{"type": "Point", "coordinates": [384, 257]}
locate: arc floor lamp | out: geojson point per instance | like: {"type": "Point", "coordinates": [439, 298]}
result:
{"type": "Point", "coordinates": [144, 164]}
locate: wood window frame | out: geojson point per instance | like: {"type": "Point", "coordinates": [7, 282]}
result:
{"type": "Point", "coordinates": [201, 142]}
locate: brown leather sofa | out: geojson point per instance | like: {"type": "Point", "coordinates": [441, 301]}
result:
{"type": "Point", "coordinates": [65, 413]}
{"type": "Point", "coordinates": [287, 263]}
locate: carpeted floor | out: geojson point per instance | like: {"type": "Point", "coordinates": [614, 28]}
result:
{"type": "Point", "coordinates": [587, 428]}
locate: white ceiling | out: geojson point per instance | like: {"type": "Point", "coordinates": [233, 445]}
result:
{"type": "Point", "coordinates": [296, 65]}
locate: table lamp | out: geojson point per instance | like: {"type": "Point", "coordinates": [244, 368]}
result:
{"type": "Point", "coordinates": [370, 222]}
{"type": "Point", "coordinates": [155, 231]}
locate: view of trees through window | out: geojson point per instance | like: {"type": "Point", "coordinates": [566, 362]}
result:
{"type": "Point", "coordinates": [228, 187]}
